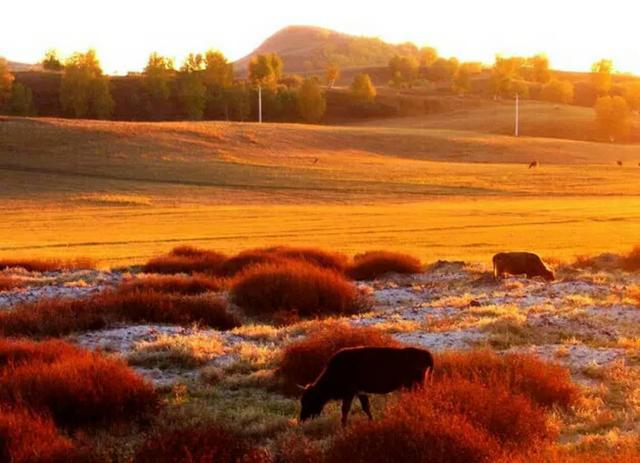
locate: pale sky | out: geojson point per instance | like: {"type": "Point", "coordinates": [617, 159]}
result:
{"type": "Point", "coordinates": [573, 33]}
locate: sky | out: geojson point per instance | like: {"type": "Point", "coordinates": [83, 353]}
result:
{"type": "Point", "coordinates": [573, 33]}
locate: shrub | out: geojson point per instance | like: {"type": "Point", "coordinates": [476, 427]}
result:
{"type": "Point", "coordinates": [57, 317]}
{"type": "Point", "coordinates": [47, 265]}
{"type": "Point", "coordinates": [28, 438]}
{"type": "Point", "coordinates": [547, 384]}
{"type": "Point", "coordinates": [302, 361]}
{"type": "Point", "coordinates": [208, 443]}
{"type": "Point", "coordinates": [297, 287]}
{"type": "Point", "coordinates": [195, 284]}
{"type": "Point", "coordinates": [186, 259]}
{"type": "Point", "coordinates": [247, 259]}
{"type": "Point", "coordinates": [76, 389]}
{"type": "Point", "coordinates": [371, 265]}
{"type": "Point", "coordinates": [19, 351]}
{"type": "Point", "coordinates": [9, 283]}
{"type": "Point", "coordinates": [631, 261]}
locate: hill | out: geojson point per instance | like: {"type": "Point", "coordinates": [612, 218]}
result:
{"type": "Point", "coordinates": [15, 66]}
{"type": "Point", "coordinates": [310, 48]}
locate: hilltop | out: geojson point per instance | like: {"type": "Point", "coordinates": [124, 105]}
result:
{"type": "Point", "coordinates": [15, 66]}
{"type": "Point", "coordinates": [310, 48]}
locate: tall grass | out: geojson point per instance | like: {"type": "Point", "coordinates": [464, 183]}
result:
{"type": "Point", "coordinates": [48, 265]}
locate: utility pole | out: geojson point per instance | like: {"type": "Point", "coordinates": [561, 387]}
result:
{"type": "Point", "coordinates": [517, 115]}
{"type": "Point", "coordinates": [259, 104]}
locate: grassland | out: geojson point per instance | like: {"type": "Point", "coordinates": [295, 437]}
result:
{"type": "Point", "coordinates": [445, 186]}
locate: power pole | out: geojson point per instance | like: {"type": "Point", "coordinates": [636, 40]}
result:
{"type": "Point", "coordinates": [517, 115]}
{"type": "Point", "coordinates": [260, 104]}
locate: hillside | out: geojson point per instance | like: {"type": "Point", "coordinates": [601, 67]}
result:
{"type": "Point", "coordinates": [310, 48]}
{"type": "Point", "coordinates": [15, 66]}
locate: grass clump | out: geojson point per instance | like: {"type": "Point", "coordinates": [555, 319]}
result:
{"type": "Point", "coordinates": [297, 288]}
{"type": "Point", "coordinates": [58, 317]}
{"type": "Point", "coordinates": [374, 264]}
{"type": "Point", "coordinates": [9, 283]}
{"type": "Point", "coordinates": [48, 265]}
{"type": "Point", "coordinates": [186, 259]}
{"type": "Point", "coordinates": [182, 351]}
{"type": "Point", "coordinates": [182, 284]}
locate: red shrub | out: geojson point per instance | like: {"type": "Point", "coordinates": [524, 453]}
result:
{"type": "Point", "coordinates": [195, 284]}
{"type": "Point", "coordinates": [247, 259]}
{"type": "Point", "coordinates": [319, 258]}
{"type": "Point", "coordinates": [296, 448]}
{"type": "Point", "coordinates": [29, 438]}
{"type": "Point", "coordinates": [302, 361]}
{"type": "Point", "coordinates": [209, 443]}
{"type": "Point", "coordinates": [57, 317]}
{"type": "Point", "coordinates": [416, 435]}
{"type": "Point", "coordinates": [631, 261]}
{"type": "Point", "coordinates": [76, 389]}
{"type": "Point", "coordinates": [547, 384]}
{"type": "Point", "coordinates": [186, 259]}
{"type": "Point", "coordinates": [48, 265]}
{"type": "Point", "coordinates": [9, 283]}
{"type": "Point", "coordinates": [374, 264]}
{"type": "Point", "coordinates": [19, 351]}
{"type": "Point", "coordinates": [296, 287]}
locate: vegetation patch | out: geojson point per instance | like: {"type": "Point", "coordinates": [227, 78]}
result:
{"type": "Point", "coordinates": [48, 265]}
{"type": "Point", "coordinates": [9, 283]}
{"type": "Point", "coordinates": [374, 264]}
{"type": "Point", "coordinates": [182, 351]}
{"type": "Point", "coordinates": [182, 284]}
{"type": "Point", "coordinates": [186, 259]}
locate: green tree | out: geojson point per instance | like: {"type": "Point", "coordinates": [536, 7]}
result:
{"type": "Point", "coordinates": [158, 75]}
{"type": "Point", "coordinates": [84, 90]}
{"type": "Point", "coordinates": [332, 73]}
{"type": "Point", "coordinates": [403, 69]}
{"type": "Point", "coordinates": [362, 88]}
{"type": "Point", "coordinates": [613, 117]}
{"type": "Point", "coordinates": [265, 70]}
{"type": "Point", "coordinates": [21, 103]}
{"type": "Point", "coordinates": [51, 61]}
{"type": "Point", "coordinates": [427, 56]}
{"type": "Point", "coordinates": [218, 71]}
{"type": "Point", "coordinates": [192, 63]}
{"type": "Point", "coordinates": [539, 68]}
{"type": "Point", "coordinates": [311, 101]}
{"type": "Point", "coordinates": [558, 91]}
{"type": "Point", "coordinates": [601, 76]}
{"type": "Point", "coordinates": [6, 82]}
{"type": "Point", "coordinates": [505, 72]}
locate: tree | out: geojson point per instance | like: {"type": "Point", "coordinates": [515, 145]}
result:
{"type": "Point", "coordinates": [558, 91]}
{"type": "Point", "coordinates": [191, 91]}
{"type": "Point", "coordinates": [51, 61]}
{"type": "Point", "coordinates": [218, 71]}
{"type": "Point", "coordinates": [613, 117]}
{"type": "Point", "coordinates": [311, 101]}
{"type": "Point", "coordinates": [442, 70]}
{"type": "Point", "coordinates": [332, 73]}
{"type": "Point", "coordinates": [403, 69]}
{"type": "Point", "coordinates": [84, 90]}
{"type": "Point", "coordinates": [632, 94]}
{"type": "Point", "coordinates": [21, 103]}
{"type": "Point", "coordinates": [601, 76]}
{"type": "Point", "coordinates": [265, 70]}
{"type": "Point", "coordinates": [462, 80]}
{"type": "Point", "coordinates": [6, 82]}
{"type": "Point", "coordinates": [427, 56]}
{"type": "Point", "coordinates": [538, 67]}
{"type": "Point", "coordinates": [157, 77]}
{"type": "Point", "coordinates": [362, 88]}
{"type": "Point", "coordinates": [505, 72]}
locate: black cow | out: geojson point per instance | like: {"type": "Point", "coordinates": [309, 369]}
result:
{"type": "Point", "coordinates": [520, 263]}
{"type": "Point", "coordinates": [357, 371]}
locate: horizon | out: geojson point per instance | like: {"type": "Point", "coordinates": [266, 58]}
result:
{"type": "Point", "coordinates": [117, 41]}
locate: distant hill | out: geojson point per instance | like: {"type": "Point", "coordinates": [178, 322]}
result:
{"type": "Point", "coordinates": [310, 48]}
{"type": "Point", "coordinates": [14, 66]}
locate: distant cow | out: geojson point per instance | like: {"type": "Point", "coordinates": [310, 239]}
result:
{"type": "Point", "coordinates": [520, 263]}
{"type": "Point", "coordinates": [534, 164]}
{"type": "Point", "coordinates": [619, 163]}
{"type": "Point", "coordinates": [357, 371]}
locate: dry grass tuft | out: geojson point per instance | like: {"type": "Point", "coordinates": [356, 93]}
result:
{"type": "Point", "coordinates": [48, 265]}
{"type": "Point", "coordinates": [186, 259]}
{"type": "Point", "coordinates": [182, 284]}
{"type": "Point", "coordinates": [9, 283]}
{"type": "Point", "coordinates": [302, 361]}
{"type": "Point", "coordinates": [295, 287]}
{"type": "Point", "coordinates": [183, 351]}
{"type": "Point", "coordinates": [374, 264]}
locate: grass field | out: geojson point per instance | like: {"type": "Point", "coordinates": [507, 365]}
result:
{"type": "Point", "coordinates": [442, 186]}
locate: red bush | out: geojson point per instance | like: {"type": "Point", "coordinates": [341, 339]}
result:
{"type": "Point", "coordinates": [195, 284]}
{"type": "Point", "coordinates": [47, 265]}
{"type": "Point", "coordinates": [78, 388]}
{"type": "Point", "coordinates": [302, 361]}
{"type": "Point", "coordinates": [208, 443]}
{"type": "Point", "coordinates": [547, 384]}
{"type": "Point", "coordinates": [29, 438]}
{"type": "Point", "coordinates": [9, 283]}
{"type": "Point", "coordinates": [57, 317]}
{"type": "Point", "coordinates": [631, 261]}
{"type": "Point", "coordinates": [19, 351]}
{"type": "Point", "coordinates": [247, 259]}
{"type": "Point", "coordinates": [186, 259]}
{"type": "Point", "coordinates": [296, 287]}
{"type": "Point", "coordinates": [374, 264]}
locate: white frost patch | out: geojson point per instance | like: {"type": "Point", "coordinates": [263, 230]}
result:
{"type": "Point", "coordinates": [445, 340]}
{"type": "Point", "coordinates": [123, 340]}
{"type": "Point", "coordinates": [574, 356]}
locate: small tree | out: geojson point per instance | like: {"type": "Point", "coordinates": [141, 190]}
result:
{"type": "Point", "coordinates": [462, 80]}
{"type": "Point", "coordinates": [442, 70]}
{"type": "Point", "coordinates": [613, 117]}
{"type": "Point", "coordinates": [6, 82]}
{"type": "Point", "coordinates": [632, 94]}
{"type": "Point", "coordinates": [84, 90]}
{"type": "Point", "coordinates": [192, 92]}
{"type": "Point", "coordinates": [558, 91]}
{"type": "Point", "coordinates": [539, 68]}
{"type": "Point", "coordinates": [505, 72]}
{"type": "Point", "coordinates": [21, 100]}
{"type": "Point", "coordinates": [362, 89]}
{"type": "Point", "coordinates": [51, 61]}
{"type": "Point", "coordinates": [265, 70]}
{"type": "Point", "coordinates": [601, 76]}
{"type": "Point", "coordinates": [332, 73]}
{"type": "Point", "coordinates": [311, 101]}
{"type": "Point", "coordinates": [403, 69]}
{"type": "Point", "coordinates": [157, 77]}
{"type": "Point", "coordinates": [427, 56]}
{"type": "Point", "coordinates": [218, 71]}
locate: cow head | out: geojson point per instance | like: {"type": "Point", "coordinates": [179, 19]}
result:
{"type": "Point", "coordinates": [311, 403]}
{"type": "Point", "coordinates": [549, 276]}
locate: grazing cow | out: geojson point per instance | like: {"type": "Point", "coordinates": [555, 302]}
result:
{"type": "Point", "coordinates": [357, 371]}
{"type": "Point", "coordinates": [519, 263]}
{"type": "Point", "coordinates": [619, 163]}
{"type": "Point", "coordinates": [534, 164]}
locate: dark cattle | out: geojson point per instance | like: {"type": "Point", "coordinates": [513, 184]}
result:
{"type": "Point", "coordinates": [520, 263]}
{"type": "Point", "coordinates": [534, 164]}
{"type": "Point", "coordinates": [357, 371]}
{"type": "Point", "coordinates": [619, 163]}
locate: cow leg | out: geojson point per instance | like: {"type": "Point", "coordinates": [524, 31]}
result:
{"type": "Point", "coordinates": [346, 408]}
{"type": "Point", "coordinates": [364, 401]}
